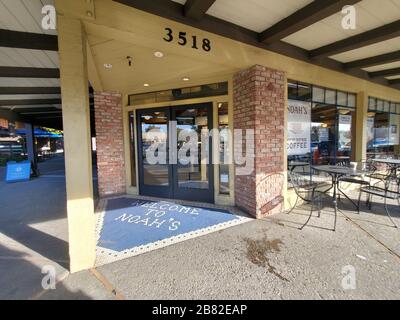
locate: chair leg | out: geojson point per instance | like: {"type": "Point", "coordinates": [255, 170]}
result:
{"type": "Point", "coordinates": [311, 213]}
{"type": "Point", "coordinates": [388, 214]}
{"type": "Point", "coordinates": [334, 225]}
{"type": "Point", "coordinates": [359, 201]}
{"type": "Point", "coordinates": [319, 207]}
{"type": "Point", "coordinates": [369, 203]}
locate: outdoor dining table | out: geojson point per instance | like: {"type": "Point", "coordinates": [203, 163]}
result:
{"type": "Point", "coordinates": [337, 172]}
{"type": "Point", "coordinates": [294, 164]}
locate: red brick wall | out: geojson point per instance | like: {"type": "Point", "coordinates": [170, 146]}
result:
{"type": "Point", "coordinates": [110, 143]}
{"type": "Point", "coordinates": [259, 104]}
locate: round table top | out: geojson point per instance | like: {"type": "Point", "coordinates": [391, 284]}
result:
{"type": "Point", "coordinates": [298, 163]}
{"type": "Point", "coordinates": [339, 170]}
{"type": "Point", "coordinates": [388, 161]}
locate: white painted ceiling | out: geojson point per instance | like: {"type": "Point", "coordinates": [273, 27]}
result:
{"type": "Point", "coordinates": [259, 15]}
{"type": "Point", "coordinates": [370, 15]}
{"type": "Point", "coordinates": [23, 15]}
{"type": "Point", "coordinates": [255, 15]}
{"type": "Point", "coordinates": [26, 16]}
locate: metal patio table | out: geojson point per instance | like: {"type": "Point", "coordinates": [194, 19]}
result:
{"type": "Point", "coordinates": [336, 173]}
{"type": "Point", "coordinates": [294, 164]}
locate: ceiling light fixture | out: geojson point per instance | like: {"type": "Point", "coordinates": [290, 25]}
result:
{"type": "Point", "coordinates": [158, 54]}
{"type": "Point", "coordinates": [186, 79]}
{"type": "Point", "coordinates": [146, 85]}
{"type": "Point", "coordinates": [108, 66]}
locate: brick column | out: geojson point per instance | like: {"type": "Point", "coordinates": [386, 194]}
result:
{"type": "Point", "coordinates": [259, 104]}
{"type": "Point", "coordinates": [110, 143]}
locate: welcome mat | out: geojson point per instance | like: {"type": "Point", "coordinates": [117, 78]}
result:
{"type": "Point", "coordinates": [127, 226]}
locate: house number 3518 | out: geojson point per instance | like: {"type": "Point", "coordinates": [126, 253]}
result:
{"type": "Point", "coordinates": [183, 39]}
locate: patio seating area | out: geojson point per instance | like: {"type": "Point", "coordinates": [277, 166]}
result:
{"type": "Point", "coordinates": [378, 179]}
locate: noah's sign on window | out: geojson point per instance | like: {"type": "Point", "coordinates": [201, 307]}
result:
{"type": "Point", "coordinates": [299, 128]}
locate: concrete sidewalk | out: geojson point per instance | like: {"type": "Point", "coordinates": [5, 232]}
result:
{"type": "Point", "coordinates": [267, 259]}
{"type": "Point", "coordinates": [34, 234]}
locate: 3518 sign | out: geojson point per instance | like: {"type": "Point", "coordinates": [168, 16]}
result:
{"type": "Point", "coordinates": [184, 40]}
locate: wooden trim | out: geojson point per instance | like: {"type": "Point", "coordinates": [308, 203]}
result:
{"type": "Point", "coordinates": [29, 90]}
{"type": "Point", "coordinates": [385, 73]}
{"type": "Point", "coordinates": [27, 102]}
{"type": "Point", "coordinates": [22, 72]}
{"type": "Point", "coordinates": [386, 32]}
{"type": "Point", "coordinates": [196, 9]}
{"type": "Point", "coordinates": [394, 81]}
{"type": "Point", "coordinates": [374, 61]}
{"type": "Point", "coordinates": [27, 40]}
{"type": "Point", "coordinates": [303, 18]}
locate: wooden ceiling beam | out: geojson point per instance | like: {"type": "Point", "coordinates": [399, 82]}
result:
{"type": "Point", "coordinates": [303, 18]}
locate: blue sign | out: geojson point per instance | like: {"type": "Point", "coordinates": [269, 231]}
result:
{"type": "Point", "coordinates": [130, 223]}
{"type": "Point", "coordinates": [18, 171]}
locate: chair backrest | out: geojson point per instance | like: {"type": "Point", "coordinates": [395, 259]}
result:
{"type": "Point", "coordinates": [367, 165]}
{"type": "Point", "coordinates": [342, 163]}
{"type": "Point", "coordinates": [299, 182]}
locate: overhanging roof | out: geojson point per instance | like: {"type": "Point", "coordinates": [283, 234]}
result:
{"type": "Point", "coordinates": [302, 29]}
{"type": "Point", "coordinates": [29, 66]}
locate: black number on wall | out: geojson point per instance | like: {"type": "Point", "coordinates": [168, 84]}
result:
{"type": "Point", "coordinates": [206, 45]}
{"type": "Point", "coordinates": [194, 46]}
{"type": "Point", "coordinates": [183, 41]}
{"type": "Point", "coordinates": [182, 38]}
{"type": "Point", "coordinates": [169, 37]}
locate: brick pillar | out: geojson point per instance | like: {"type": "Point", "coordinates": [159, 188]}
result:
{"type": "Point", "coordinates": [110, 143]}
{"type": "Point", "coordinates": [259, 104]}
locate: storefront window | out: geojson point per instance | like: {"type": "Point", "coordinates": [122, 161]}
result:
{"type": "Point", "coordinates": [223, 127]}
{"type": "Point", "coordinates": [320, 128]}
{"type": "Point", "coordinates": [351, 100]}
{"type": "Point", "coordinates": [318, 94]}
{"type": "Point", "coordinates": [383, 128]}
{"type": "Point", "coordinates": [207, 90]}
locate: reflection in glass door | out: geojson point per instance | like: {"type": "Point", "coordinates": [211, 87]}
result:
{"type": "Point", "coordinates": [193, 178]}
{"type": "Point", "coordinates": [154, 177]}
{"type": "Point", "coordinates": [189, 174]}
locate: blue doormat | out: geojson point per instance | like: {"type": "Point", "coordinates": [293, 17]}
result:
{"type": "Point", "coordinates": [127, 227]}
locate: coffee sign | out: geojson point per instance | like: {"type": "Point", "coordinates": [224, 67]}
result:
{"type": "Point", "coordinates": [299, 128]}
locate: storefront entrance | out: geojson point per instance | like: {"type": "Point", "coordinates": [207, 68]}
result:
{"type": "Point", "coordinates": [163, 134]}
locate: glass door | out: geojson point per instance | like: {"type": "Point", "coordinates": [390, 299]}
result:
{"type": "Point", "coordinates": [175, 152]}
{"type": "Point", "coordinates": [153, 152]}
{"type": "Point", "coordinates": [193, 172]}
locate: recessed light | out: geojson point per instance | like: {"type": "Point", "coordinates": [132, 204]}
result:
{"type": "Point", "coordinates": [158, 54]}
{"type": "Point", "coordinates": [146, 85]}
{"type": "Point", "coordinates": [108, 66]}
{"type": "Point", "coordinates": [186, 79]}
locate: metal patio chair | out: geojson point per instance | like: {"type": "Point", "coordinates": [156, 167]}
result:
{"type": "Point", "coordinates": [391, 191]}
{"type": "Point", "coordinates": [366, 166]}
{"type": "Point", "coordinates": [306, 190]}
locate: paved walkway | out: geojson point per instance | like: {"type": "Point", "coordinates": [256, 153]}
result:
{"type": "Point", "coordinates": [268, 259]}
